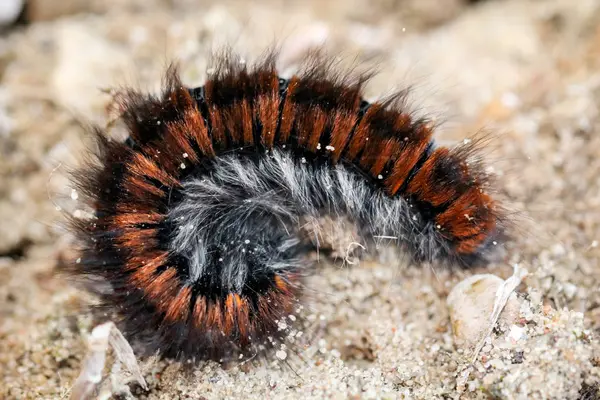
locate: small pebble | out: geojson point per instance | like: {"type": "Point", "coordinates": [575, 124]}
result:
{"type": "Point", "coordinates": [9, 11]}
{"type": "Point", "coordinates": [471, 303]}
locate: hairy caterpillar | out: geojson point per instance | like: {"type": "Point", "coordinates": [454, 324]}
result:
{"type": "Point", "coordinates": [198, 214]}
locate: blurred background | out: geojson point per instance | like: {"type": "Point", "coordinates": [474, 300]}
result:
{"type": "Point", "coordinates": [527, 70]}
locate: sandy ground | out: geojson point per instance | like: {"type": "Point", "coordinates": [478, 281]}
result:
{"type": "Point", "coordinates": [527, 70]}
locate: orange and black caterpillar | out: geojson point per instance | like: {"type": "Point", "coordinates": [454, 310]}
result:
{"type": "Point", "coordinates": [198, 214]}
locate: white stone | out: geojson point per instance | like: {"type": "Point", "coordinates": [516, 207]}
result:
{"type": "Point", "coordinates": [516, 332]}
{"type": "Point", "coordinates": [471, 303]}
{"type": "Point", "coordinates": [9, 11]}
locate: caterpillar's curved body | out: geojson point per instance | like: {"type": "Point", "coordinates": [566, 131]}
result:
{"type": "Point", "coordinates": [198, 213]}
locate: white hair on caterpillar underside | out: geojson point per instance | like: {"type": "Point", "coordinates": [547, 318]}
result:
{"type": "Point", "coordinates": [251, 212]}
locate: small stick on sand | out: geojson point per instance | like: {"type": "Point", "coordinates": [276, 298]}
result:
{"type": "Point", "coordinates": [502, 295]}
{"type": "Point", "coordinates": [91, 372]}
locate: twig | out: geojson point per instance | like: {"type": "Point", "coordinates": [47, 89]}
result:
{"type": "Point", "coordinates": [502, 295]}
{"type": "Point", "coordinates": [91, 372]}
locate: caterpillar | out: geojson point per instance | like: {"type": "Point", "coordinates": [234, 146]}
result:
{"type": "Point", "coordinates": [198, 215]}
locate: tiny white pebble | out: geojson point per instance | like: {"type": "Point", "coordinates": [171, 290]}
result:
{"type": "Point", "coordinates": [282, 355]}
{"type": "Point", "coordinates": [78, 260]}
{"type": "Point", "coordinates": [303, 160]}
{"type": "Point", "coordinates": [74, 194]}
{"type": "Point", "coordinates": [158, 122]}
{"type": "Point", "coordinates": [182, 166]}
{"type": "Point", "coordinates": [246, 241]}
{"type": "Point", "coordinates": [220, 259]}
{"type": "Point", "coordinates": [516, 332]}
{"type": "Point", "coordinates": [185, 155]}
{"type": "Point", "coordinates": [318, 146]}
{"type": "Point", "coordinates": [438, 226]}
{"type": "Point", "coordinates": [330, 148]}
{"type": "Point", "coordinates": [379, 176]}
